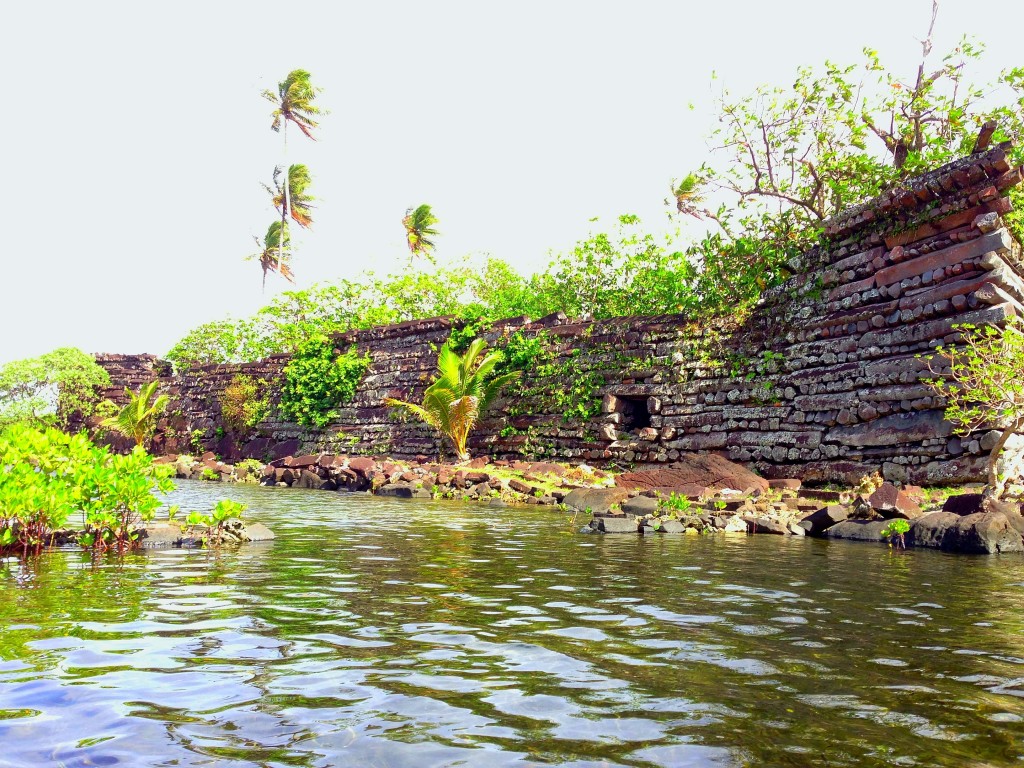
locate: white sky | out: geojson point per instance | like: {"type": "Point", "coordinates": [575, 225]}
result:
{"type": "Point", "coordinates": [135, 138]}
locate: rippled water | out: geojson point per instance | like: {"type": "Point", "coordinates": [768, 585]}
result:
{"type": "Point", "coordinates": [379, 632]}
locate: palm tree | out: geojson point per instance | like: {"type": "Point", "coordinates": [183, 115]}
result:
{"type": "Point", "coordinates": [293, 102]}
{"type": "Point", "coordinates": [299, 199]}
{"type": "Point", "coordinates": [419, 228]}
{"type": "Point", "coordinates": [273, 243]}
{"type": "Point", "coordinates": [137, 419]}
{"type": "Point", "coordinates": [464, 387]}
{"type": "Point", "coordinates": [688, 195]}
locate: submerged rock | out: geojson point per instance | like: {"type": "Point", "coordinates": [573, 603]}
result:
{"type": "Point", "coordinates": [624, 524]}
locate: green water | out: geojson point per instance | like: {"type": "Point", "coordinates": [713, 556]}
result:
{"type": "Point", "coordinates": [379, 632]}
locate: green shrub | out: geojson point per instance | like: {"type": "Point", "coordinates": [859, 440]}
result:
{"type": "Point", "coordinates": [214, 522]}
{"type": "Point", "coordinates": [317, 382]}
{"type": "Point", "coordinates": [894, 532]}
{"type": "Point", "coordinates": [49, 476]}
{"type": "Point", "coordinates": [244, 403]}
{"type": "Point", "coordinates": [677, 503]}
{"type": "Point", "coordinates": [51, 389]}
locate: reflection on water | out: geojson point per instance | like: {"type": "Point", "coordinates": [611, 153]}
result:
{"type": "Point", "coordinates": [379, 632]}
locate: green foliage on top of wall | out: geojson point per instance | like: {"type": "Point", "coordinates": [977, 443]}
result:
{"type": "Point", "coordinates": [317, 383]}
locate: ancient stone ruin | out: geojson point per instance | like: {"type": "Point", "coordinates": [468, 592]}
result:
{"type": "Point", "coordinates": [824, 381]}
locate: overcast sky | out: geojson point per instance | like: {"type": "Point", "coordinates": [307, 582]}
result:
{"type": "Point", "coordinates": [136, 138]}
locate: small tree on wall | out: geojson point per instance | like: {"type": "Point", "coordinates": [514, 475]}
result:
{"type": "Point", "coordinates": [137, 418]}
{"type": "Point", "coordinates": [465, 385]}
{"type": "Point", "coordinates": [982, 379]}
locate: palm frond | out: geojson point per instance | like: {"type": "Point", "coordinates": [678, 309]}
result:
{"type": "Point", "coordinates": [493, 388]}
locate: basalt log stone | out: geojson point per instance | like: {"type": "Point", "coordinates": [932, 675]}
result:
{"type": "Point", "coordinates": [825, 380]}
{"type": "Point", "coordinates": [596, 500]}
{"type": "Point", "coordinates": [709, 471]}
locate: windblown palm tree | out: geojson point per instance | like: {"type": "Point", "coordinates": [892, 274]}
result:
{"type": "Point", "coordinates": [419, 229]}
{"type": "Point", "coordinates": [463, 389]}
{"type": "Point", "coordinates": [299, 199]}
{"type": "Point", "coordinates": [293, 102]}
{"type": "Point", "coordinates": [137, 419]}
{"type": "Point", "coordinates": [275, 252]}
{"type": "Point", "coordinates": [688, 195]}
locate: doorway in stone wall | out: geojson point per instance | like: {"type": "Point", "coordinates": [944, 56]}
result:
{"type": "Point", "coordinates": [634, 412]}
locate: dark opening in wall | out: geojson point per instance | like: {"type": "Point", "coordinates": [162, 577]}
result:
{"type": "Point", "coordinates": [635, 414]}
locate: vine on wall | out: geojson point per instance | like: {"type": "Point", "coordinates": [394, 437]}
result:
{"type": "Point", "coordinates": [317, 382]}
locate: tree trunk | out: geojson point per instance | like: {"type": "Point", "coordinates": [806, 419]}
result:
{"type": "Point", "coordinates": [996, 484]}
{"type": "Point", "coordinates": [284, 208]}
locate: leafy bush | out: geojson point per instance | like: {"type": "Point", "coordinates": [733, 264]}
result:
{"type": "Point", "coordinates": [244, 403]}
{"type": "Point", "coordinates": [677, 502]}
{"type": "Point", "coordinates": [981, 380]}
{"type": "Point", "coordinates": [51, 389]}
{"type": "Point", "coordinates": [317, 382]}
{"type": "Point", "coordinates": [894, 532]}
{"type": "Point", "coordinates": [49, 475]}
{"type": "Point", "coordinates": [214, 522]}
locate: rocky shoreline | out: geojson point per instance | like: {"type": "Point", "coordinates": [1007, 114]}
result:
{"type": "Point", "coordinates": [700, 494]}
{"type": "Point", "coordinates": [166, 535]}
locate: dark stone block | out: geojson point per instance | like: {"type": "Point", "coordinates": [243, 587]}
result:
{"type": "Point", "coordinates": [624, 524]}
{"type": "Point", "coordinates": [930, 530]}
{"type": "Point", "coordinates": [890, 501]}
{"type": "Point", "coordinates": [763, 525]}
{"type": "Point", "coordinates": [286, 448]}
{"type": "Point", "coordinates": [821, 520]}
{"type": "Point", "coordinates": [640, 505]}
{"type": "Point", "coordinates": [857, 530]}
{"type": "Point", "coordinates": [986, 533]}
{"type": "Point", "coordinates": [597, 500]}
{"type": "Point", "coordinates": [397, 490]}
{"type": "Point", "coordinates": [963, 504]}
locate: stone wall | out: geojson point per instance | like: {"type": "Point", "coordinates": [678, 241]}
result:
{"type": "Point", "coordinates": [824, 381]}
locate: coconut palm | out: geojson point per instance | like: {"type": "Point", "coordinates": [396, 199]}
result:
{"type": "Point", "coordinates": [293, 102]}
{"type": "Point", "coordinates": [299, 199]}
{"type": "Point", "coordinates": [275, 252]}
{"type": "Point", "coordinates": [137, 419]}
{"type": "Point", "coordinates": [419, 229]}
{"type": "Point", "coordinates": [688, 195]}
{"type": "Point", "coordinates": [464, 387]}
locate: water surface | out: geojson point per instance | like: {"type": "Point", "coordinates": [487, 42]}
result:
{"type": "Point", "coordinates": [378, 632]}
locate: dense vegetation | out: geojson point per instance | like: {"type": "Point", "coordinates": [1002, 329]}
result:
{"type": "Point", "coordinates": [784, 161]}
{"type": "Point", "coordinates": [317, 381]}
{"type": "Point", "coordinates": [981, 380]}
{"type": "Point", "coordinates": [50, 480]}
{"type": "Point", "coordinates": [49, 476]}
{"type": "Point", "coordinates": [48, 390]}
